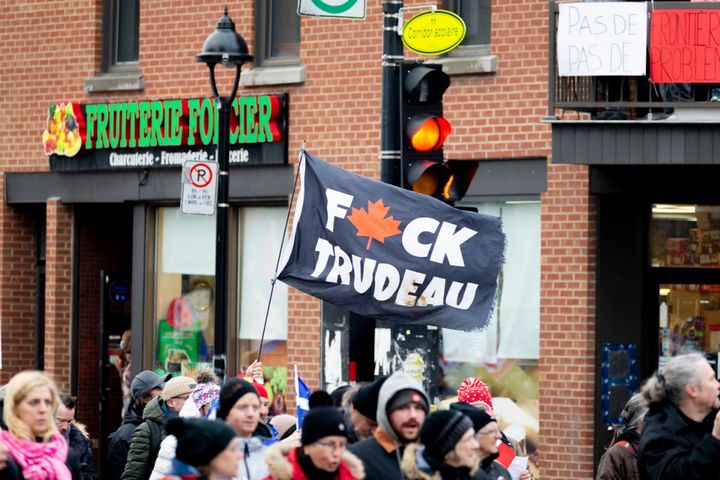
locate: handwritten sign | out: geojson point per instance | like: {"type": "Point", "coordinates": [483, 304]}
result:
{"type": "Point", "coordinates": [602, 39]}
{"type": "Point", "coordinates": [685, 46]}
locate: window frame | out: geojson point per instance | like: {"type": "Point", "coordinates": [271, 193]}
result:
{"type": "Point", "coordinates": [263, 37]}
{"type": "Point", "coordinates": [111, 39]}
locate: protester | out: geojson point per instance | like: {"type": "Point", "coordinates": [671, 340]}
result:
{"type": "Point", "coordinates": [123, 363]}
{"type": "Point", "coordinates": [620, 460]}
{"type": "Point", "coordinates": [363, 411]}
{"type": "Point", "coordinates": [198, 406]}
{"type": "Point", "coordinates": [448, 450]}
{"type": "Point", "coordinates": [148, 436]}
{"type": "Point", "coordinates": [401, 410]}
{"type": "Point", "coordinates": [206, 449]}
{"type": "Point", "coordinates": [240, 409]}
{"type": "Point", "coordinates": [337, 395]}
{"type": "Point", "coordinates": [322, 453]}
{"type": "Point", "coordinates": [145, 386]}
{"type": "Point", "coordinates": [32, 439]}
{"type": "Point", "coordinates": [77, 438]}
{"type": "Point", "coordinates": [285, 425]}
{"type": "Point", "coordinates": [681, 431]}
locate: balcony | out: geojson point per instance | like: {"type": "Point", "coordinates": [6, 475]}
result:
{"type": "Point", "coordinates": [629, 119]}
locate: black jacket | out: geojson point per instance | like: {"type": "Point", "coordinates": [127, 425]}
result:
{"type": "Point", "coordinates": [672, 446]}
{"type": "Point", "coordinates": [119, 444]}
{"type": "Point", "coordinates": [11, 471]}
{"type": "Point", "coordinates": [80, 452]}
{"type": "Point", "coordinates": [492, 469]}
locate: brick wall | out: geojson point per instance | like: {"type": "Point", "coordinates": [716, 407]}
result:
{"type": "Point", "coordinates": [567, 324]}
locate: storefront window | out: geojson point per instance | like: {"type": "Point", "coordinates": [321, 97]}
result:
{"type": "Point", "coordinates": [505, 355]}
{"type": "Point", "coordinates": [260, 231]}
{"type": "Point", "coordinates": [685, 236]}
{"type": "Point", "coordinates": [185, 286]}
{"type": "Point", "coordinates": [689, 320]}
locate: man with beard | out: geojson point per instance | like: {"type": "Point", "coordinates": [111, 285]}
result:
{"type": "Point", "coordinates": [77, 438]}
{"type": "Point", "coordinates": [402, 406]}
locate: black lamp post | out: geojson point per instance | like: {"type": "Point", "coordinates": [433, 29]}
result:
{"type": "Point", "coordinates": [223, 46]}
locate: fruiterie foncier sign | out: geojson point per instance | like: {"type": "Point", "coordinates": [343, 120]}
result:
{"type": "Point", "coordinates": [163, 133]}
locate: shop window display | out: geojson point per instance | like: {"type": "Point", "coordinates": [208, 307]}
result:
{"type": "Point", "coordinates": [505, 355]}
{"type": "Point", "coordinates": [685, 236]}
{"type": "Point", "coordinates": [689, 319]}
{"type": "Point", "coordinates": [184, 310]}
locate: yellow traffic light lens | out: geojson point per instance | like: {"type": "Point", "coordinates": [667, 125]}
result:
{"type": "Point", "coordinates": [427, 133]}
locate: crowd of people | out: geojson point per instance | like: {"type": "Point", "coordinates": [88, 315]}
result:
{"type": "Point", "coordinates": [181, 428]}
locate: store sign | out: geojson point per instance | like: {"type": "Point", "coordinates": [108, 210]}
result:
{"type": "Point", "coordinates": [332, 8]}
{"type": "Point", "coordinates": [433, 32]}
{"type": "Point", "coordinates": [163, 133]}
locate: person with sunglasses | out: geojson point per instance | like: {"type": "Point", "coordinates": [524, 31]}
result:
{"type": "Point", "coordinates": [322, 453]}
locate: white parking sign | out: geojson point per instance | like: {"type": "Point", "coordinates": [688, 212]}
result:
{"type": "Point", "coordinates": [199, 188]}
{"type": "Point", "coordinates": [332, 8]}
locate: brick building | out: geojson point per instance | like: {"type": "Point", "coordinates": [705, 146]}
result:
{"type": "Point", "coordinates": [89, 250]}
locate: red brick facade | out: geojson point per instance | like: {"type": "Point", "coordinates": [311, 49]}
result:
{"type": "Point", "coordinates": [48, 49]}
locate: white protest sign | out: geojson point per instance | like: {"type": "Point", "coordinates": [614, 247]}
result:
{"type": "Point", "coordinates": [332, 8]}
{"type": "Point", "coordinates": [606, 38]}
{"type": "Point", "coordinates": [199, 188]}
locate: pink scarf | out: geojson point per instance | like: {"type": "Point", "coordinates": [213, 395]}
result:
{"type": "Point", "coordinates": [38, 460]}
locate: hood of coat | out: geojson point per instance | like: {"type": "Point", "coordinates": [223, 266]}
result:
{"type": "Point", "coordinates": [396, 382]}
{"type": "Point", "coordinates": [154, 411]}
{"type": "Point", "coordinates": [281, 458]}
{"type": "Point", "coordinates": [414, 465]}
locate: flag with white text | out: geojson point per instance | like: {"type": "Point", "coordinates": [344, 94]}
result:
{"type": "Point", "coordinates": [389, 253]}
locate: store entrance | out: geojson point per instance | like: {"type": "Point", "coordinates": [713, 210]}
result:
{"type": "Point", "coordinates": [102, 270]}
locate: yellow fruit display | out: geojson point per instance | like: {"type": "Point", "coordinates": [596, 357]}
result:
{"type": "Point", "coordinates": [62, 136]}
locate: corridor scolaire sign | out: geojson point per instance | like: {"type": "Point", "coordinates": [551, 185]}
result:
{"type": "Point", "coordinates": [163, 133]}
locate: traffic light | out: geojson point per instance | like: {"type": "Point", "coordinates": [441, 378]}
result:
{"type": "Point", "coordinates": [424, 130]}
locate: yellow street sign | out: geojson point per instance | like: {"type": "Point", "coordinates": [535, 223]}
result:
{"type": "Point", "coordinates": [433, 32]}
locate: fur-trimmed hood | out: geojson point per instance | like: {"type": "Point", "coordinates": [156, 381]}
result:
{"type": "Point", "coordinates": [282, 461]}
{"type": "Point", "coordinates": [415, 467]}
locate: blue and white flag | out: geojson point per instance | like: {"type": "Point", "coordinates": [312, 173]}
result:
{"type": "Point", "coordinates": [302, 399]}
{"type": "Point", "coordinates": [389, 253]}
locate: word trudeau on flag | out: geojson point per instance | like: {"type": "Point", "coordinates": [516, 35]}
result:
{"type": "Point", "coordinates": [389, 253]}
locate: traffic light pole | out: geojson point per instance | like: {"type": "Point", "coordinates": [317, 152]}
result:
{"type": "Point", "coordinates": [392, 57]}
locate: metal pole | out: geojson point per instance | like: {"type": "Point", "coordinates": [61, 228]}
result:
{"type": "Point", "coordinates": [392, 57]}
{"type": "Point", "coordinates": [221, 246]}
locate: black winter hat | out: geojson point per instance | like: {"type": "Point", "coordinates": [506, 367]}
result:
{"type": "Point", "coordinates": [441, 431]}
{"type": "Point", "coordinates": [320, 398]}
{"type": "Point", "coordinates": [322, 422]}
{"type": "Point", "coordinates": [365, 399]}
{"type": "Point", "coordinates": [231, 392]}
{"type": "Point", "coordinates": [479, 417]}
{"type": "Point", "coordinates": [199, 440]}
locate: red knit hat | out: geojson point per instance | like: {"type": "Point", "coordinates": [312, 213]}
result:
{"type": "Point", "coordinates": [473, 390]}
{"type": "Point", "coordinates": [262, 393]}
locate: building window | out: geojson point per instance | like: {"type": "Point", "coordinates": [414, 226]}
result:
{"type": "Point", "coordinates": [260, 231]}
{"type": "Point", "coordinates": [121, 42]}
{"type": "Point", "coordinates": [474, 53]}
{"type": "Point", "coordinates": [505, 355]}
{"type": "Point", "coordinates": [277, 33]}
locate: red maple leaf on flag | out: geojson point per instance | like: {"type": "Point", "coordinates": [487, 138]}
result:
{"type": "Point", "coordinates": [373, 223]}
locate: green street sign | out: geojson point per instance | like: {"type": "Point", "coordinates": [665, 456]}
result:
{"type": "Point", "coordinates": [332, 8]}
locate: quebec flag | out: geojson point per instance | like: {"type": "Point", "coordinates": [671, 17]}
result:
{"type": "Point", "coordinates": [302, 399]}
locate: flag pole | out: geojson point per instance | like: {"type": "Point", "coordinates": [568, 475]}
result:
{"type": "Point", "coordinates": [297, 389]}
{"type": "Point", "coordinates": [282, 242]}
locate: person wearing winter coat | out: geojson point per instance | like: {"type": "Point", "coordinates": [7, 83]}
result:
{"type": "Point", "coordinates": [202, 397]}
{"type": "Point", "coordinates": [401, 409]}
{"type": "Point", "coordinates": [32, 439]}
{"type": "Point", "coordinates": [240, 409]}
{"type": "Point", "coordinates": [206, 450]}
{"type": "Point", "coordinates": [77, 438]}
{"type": "Point", "coordinates": [681, 431]}
{"type": "Point", "coordinates": [145, 386]}
{"type": "Point", "coordinates": [447, 450]}
{"type": "Point", "coordinates": [619, 462]}
{"type": "Point", "coordinates": [322, 453]}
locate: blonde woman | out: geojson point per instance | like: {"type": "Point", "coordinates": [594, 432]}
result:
{"type": "Point", "coordinates": [32, 438]}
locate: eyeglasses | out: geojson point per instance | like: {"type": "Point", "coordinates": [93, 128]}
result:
{"type": "Point", "coordinates": [62, 421]}
{"type": "Point", "coordinates": [181, 397]}
{"type": "Point", "coordinates": [332, 446]}
{"type": "Point", "coordinates": [489, 432]}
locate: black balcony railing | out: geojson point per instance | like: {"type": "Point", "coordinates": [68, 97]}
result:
{"type": "Point", "coordinates": [634, 96]}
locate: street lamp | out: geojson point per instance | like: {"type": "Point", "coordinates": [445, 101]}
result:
{"type": "Point", "coordinates": [223, 46]}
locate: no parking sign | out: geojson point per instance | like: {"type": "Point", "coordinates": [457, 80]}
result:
{"type": "Point", "coordinates": [199, 188]}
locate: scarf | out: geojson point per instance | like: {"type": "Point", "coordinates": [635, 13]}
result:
{"type": "Point", "coordinates": [39, 460]}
